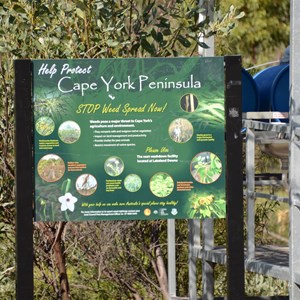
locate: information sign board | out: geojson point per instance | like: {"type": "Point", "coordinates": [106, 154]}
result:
{"type": "Point", "coordinates": [129, 138]}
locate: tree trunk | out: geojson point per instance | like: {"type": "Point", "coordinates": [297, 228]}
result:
{"type": "Point", "coordinates": [158, 263]}
{"type": "Point", "coordinates": [161, 272]}
{"type": "Point", "coordinates": [60, 260]}
{"type": "Point", "coordinates": [54, 231]}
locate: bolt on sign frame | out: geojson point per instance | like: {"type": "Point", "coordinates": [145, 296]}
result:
{"type": "Point", "coordinates": [185, 160]}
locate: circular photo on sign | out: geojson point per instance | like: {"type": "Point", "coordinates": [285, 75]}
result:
{"type": "Point", "coordinates": [44, 126]}
{"type": "Point", "coordinates": [206, 167]}
{"type": "Point", "coordinates": [132, 183]}
{"type": "Point", "coordinates": [86, 184]}
{"type": "Point", "coordinates": [181, 130]}
{"type": "Point", "coordinates": [189, 102]}
{"type": "Point", "coordinates": [51, 168]}
{"type": "Point", "coordinates": [161, 184]}
{"type": "Point", "coordinates": [114, 166]}
{"type": "Point", "coordinates": [69, 132]}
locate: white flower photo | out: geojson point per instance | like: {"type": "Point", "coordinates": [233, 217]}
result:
{"type": "Point", "coordinates": [67, 202]}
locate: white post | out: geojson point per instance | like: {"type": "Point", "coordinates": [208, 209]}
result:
{"type": "Point", "coordinates": [171, 259]}
{"type": "Point", "coordinates": [294, 158]}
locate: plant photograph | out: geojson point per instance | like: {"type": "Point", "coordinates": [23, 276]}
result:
{"type": "Point", "coordinates": [51, 168]}
{"type": "Point", "coordinates": [206, 167]}
{"type": "Point", "coordinates": [161, 184]}
{"type": "Point", "coordinates": [45, 126]}
{"type": "Point", "coordinates": [114, 166]}
{"type": "Point", "coordinates": [86, 184]}
{"type": "Point", "coordinates": [181, 130]}
{"type": "Point", "coordinates": [69, 132]}
{"type": "Point", "coordinates": [132, 182]}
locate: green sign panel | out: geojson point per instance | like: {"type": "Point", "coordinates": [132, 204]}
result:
{"type": "Point", "coordinates": [129, 138]}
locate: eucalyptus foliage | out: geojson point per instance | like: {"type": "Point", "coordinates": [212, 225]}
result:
{"type": "Point", "coordinates": [48, 29]}
{"type": "Point", "coordinates": [106, 28]}
{"type": "Point", "coordinates": [261, 35]}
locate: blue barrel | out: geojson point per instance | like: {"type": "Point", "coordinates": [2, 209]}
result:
{"type": "Point", "coordinates": [273, 88]}
{"type": "Point", "coordinates": [250, 99]}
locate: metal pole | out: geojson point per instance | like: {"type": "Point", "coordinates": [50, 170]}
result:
{"type": "Point", "coordinates": [207, 224]}
{"type": "Point", "coordinates": [194, 241]}
{"type": "Point", "coordinates": [294, 156]}
{"type": "Point", "coordinates": [171, 258]}
{"type": "Point", "coordinates": [24, 180]}
{"type": "Point", "coordinates": [250, 171]}
{"type": "Point", "coordinates": [234, 178]}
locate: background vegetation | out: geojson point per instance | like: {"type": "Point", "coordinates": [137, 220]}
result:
{"type": "Point", "coordinates": [261, 35]}
{"type": "Point", "coordinates": [115, 260]}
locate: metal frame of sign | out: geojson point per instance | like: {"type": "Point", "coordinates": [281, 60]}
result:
{"type": "Point", "coordinates": [234, 179]}
{"type": "Point", "coordinates": [25, 180]}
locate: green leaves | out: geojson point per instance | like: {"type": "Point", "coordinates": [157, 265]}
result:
{"type": "Point", "coordinates": [161, 184]}
{"type": "Point", "coordinates": [65, 187]}
{"type": "Point", "coordinates": [184, 41]}
{"type": "Point", "coordinates": [207, 206]}
{"type": "Point", "coordinates": [102, 28]}
{"type": "Point", "coordinates": [206, 167]}
{"type": "Point", "coordinates": [261, 30]}
{"type": "Point", "coordinates": [80, 13]}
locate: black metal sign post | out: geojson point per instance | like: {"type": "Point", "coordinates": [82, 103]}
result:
{"type": "Point", "coordinates": [234, 179]}
{"type": "Point", "coordinates": [24, 180]}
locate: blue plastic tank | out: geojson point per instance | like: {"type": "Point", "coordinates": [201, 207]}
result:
{"type": "Point", "coordinates": [250, 99]}
{"type": "Point", "coordinates": [273, 88]}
